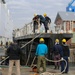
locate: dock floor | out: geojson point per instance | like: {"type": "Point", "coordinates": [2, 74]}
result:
{"type": "Point", "coordinates": [28, 71]}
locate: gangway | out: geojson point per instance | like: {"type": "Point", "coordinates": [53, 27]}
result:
{"type": "Point", "coordinates": [71, 6]}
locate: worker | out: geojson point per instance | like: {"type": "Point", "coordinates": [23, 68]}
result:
{"type": "Point", "coordinates": [47, 19]}
{"type": "Point", "coordinates": [57, 52]}
{"type": "Point", "coordinates": [66, 56]}
{"type": "Point", "coordinates": [41, 51]}
{"type": "Point", "coordinates": [35, 23]}
{"type": "Point", "coordinates": [14, 58]}
{"type": "Point", "coordinates": [41, 20]}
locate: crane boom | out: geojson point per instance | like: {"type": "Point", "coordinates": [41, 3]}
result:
{"type": "Point", "coordinates": [71, 2]}
{"type": "Point", "coordinates": [71, 7]}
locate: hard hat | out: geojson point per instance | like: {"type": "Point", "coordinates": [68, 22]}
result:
{"type": "Point", "coordinates": [41, 39]}
{"type": "Point", "coordinates": [35, 15]}
{"type": "Point", "coordinates": [45, 14]}
{"type": "Point", "coordinates": [64, 40]}
{"type": "Point", "coordinates": [57, 40]}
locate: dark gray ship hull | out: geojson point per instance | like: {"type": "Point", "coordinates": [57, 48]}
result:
{"type": "Point", "coordinates": [31, 46]}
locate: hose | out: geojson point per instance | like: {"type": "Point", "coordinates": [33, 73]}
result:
{"type": "Point", "coordinates": [55, 61]}
{"type": "Point", "coordinates": [52, 61]}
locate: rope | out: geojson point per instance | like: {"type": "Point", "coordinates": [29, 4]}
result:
{"type": "Point", "coordinates": [31, 47]}
{"type": "Point", "coordinates": [51, 61]}
{"type": "Point", "coordinates": [33, 61]}
{"type": "Point", "coordinates": [55, 61]}
{"type": "Point", "coordinates": [22, 47]}
{"type": "Point", "coordinates": [4, 59]}
{"type": "Point", "coordinates": [31, 40]}
{"type": "Point", "coordinates": [29, 54]}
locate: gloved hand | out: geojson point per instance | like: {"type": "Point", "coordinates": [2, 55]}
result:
{"type": "Point", "coordinates": [62, 58]}
{"type": "Point", "coordinates": [69, 58]}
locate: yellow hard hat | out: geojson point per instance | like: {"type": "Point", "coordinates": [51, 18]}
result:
{"type": "Point", "coordinates": [57, 40]}
{"type": "Point", "coordinates": [45, 14]}
{"type": "Point", "coordinates": [41, 39]}
{"type": "Point", "coordinates": [64, 40]}
{"type": "Point", "coordinates": [35, 14]}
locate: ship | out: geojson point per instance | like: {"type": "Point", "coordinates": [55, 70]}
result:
{"type": "Point", "coordinates": [28, 41]}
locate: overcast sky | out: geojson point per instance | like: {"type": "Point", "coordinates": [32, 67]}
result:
{"type": "Point", "coordinates": [22, 11]}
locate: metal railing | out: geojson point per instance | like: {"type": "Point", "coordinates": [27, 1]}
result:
{"type": "Point", "coordinates": [28, 29]}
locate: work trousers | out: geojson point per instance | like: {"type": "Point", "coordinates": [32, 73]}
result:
{"type": "Point", "coordinates": [35, 26]}
{"type": "Point", "coordinates": [46, 26]}
{"type": "Point", "coordinates": [56, 58]}
{"type": "Point", "coordinates": [63, 65]}
{"type": "Point", "coordinates": [17, 64]}
{"type": "Point", "coordinates": [41, 63]}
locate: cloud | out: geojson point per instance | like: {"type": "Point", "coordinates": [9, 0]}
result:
{"type": "Point", "coordinates": [24, 9]}
{"type": "Point", "coordinates": [26, 5]}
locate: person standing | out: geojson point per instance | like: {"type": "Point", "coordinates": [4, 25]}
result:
{"type": "Point", "coordinates": [41, 51]}
{"type": "Point", "coordinates": [66, 56]}
{"type": "Point", "coordinates": [41, 20]}
{"type": "Point", "coordinates": [47, 20]}
{"type": "Point", "coordinates": [57, 52]}
{"type": "Point", "coordinates": [35, 23]}
{"type": "Point", "coordinates": [14, 57]}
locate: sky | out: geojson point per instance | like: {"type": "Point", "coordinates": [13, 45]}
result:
{"type": "Point", "coordinates": [21, 12]}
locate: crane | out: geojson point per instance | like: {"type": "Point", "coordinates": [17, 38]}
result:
{"type": "Point", "coordinates": [71, 6]}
